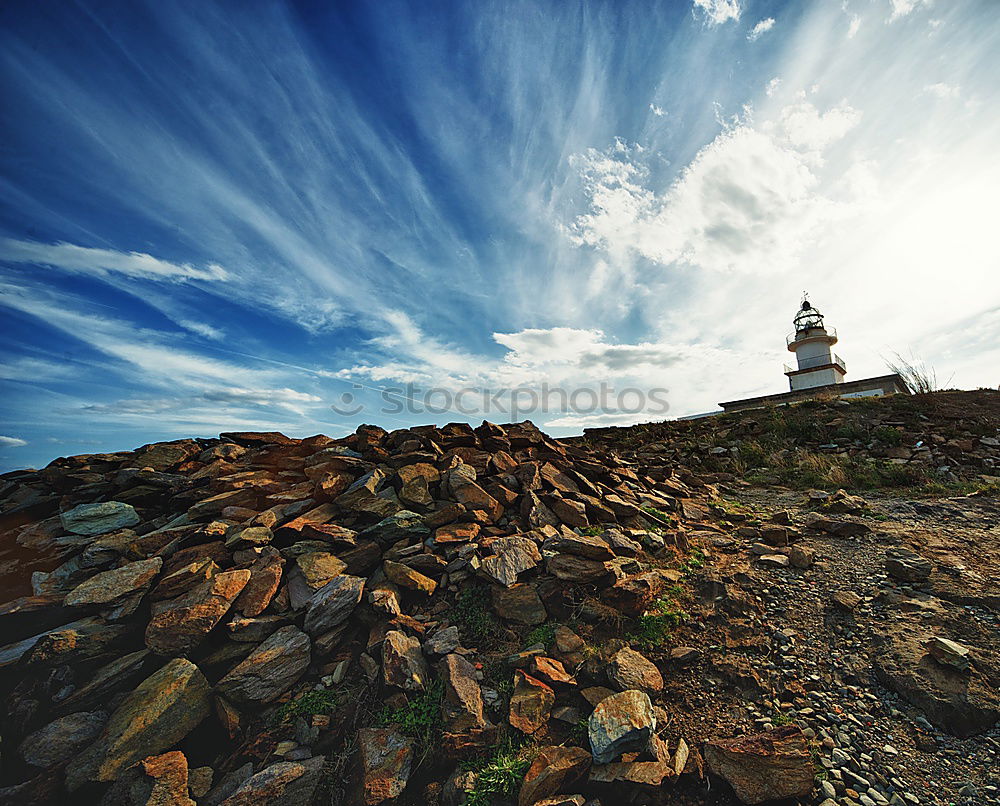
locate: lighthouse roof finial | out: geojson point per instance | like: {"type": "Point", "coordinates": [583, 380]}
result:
{"type": "Point", "coordinates": [805, 301]}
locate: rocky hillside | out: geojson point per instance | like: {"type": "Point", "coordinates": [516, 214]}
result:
{"type": "Point", "coordinates": [657, 615]}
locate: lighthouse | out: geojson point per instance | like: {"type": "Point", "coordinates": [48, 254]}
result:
{"type": "Point", "coordinates": [815, 364]}
{"type": "Point", "coordinates": [818, 371]}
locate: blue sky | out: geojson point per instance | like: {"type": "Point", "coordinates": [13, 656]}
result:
{"type": "Point", "coordinates": [230, 215]}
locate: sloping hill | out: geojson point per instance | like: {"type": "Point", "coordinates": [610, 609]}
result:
{"type": "Point", "coordinates": [670, 613]}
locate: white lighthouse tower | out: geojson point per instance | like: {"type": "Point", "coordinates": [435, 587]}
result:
{"type": "Point", "coordinates": [811, 343]}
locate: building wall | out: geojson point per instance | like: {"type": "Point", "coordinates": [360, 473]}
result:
{"type": "Point", "coordinates": [819, 377]}
{"type": "Point", "coordinates": [812, 350]}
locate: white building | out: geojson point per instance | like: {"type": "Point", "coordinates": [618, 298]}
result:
{"type": "Point", "coordinates": [811, 343]}
{"type": "Point", "coordinates": [818, 371]}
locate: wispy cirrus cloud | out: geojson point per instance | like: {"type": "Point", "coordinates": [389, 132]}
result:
{"type": "Point", "coordinates": [73, 258]}
{"type": "Point", "coordinates": [12, 442]}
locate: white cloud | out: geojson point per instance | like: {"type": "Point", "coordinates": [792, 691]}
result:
{"type": "Point", "coordinates": [719, 11]}
{"type": "Point", "coordinates": [657, 110]}
{"type": "Point", "coordinates": [202, 329]}
{"type": "Point", "coordinates": [748, 201]}
{"type": "Point", "coordinates": [901, 8]}
{"type": "Point", "coordinates": [760, 29]}
{"type": "Point", "coordinates": [12, 442]}
{"type": "Point", "coordinates": [83, 259]}
{"type": "Point", "coordinates": [942, 90]}
{"type": "Point", "coordinates": [772, 86]}
{"type": "Point", "coordinates": [854, 26]}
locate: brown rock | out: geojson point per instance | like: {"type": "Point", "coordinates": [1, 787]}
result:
{"type": "Point", "coordinates": [456, 533]}
{"type": "Point", "coordinates": [108, 586]}
{"type": "Point", "coordinates": [161, 711]}
{"type": "Point", "coordinates": [179, 625]}
{"type": "Point", "coordinates": [621, 723]}
{"type": "Point", "coordinates": [462, 708]}
{"type": "Point", "coordinates": [629, 669]}
{"type": "Point", "coordinates": [184, 579]}
{"type": "Point", "coordinates": [550, 671]}
{"type": "Point", "coordinates": [511, 556]}
{"type": "Point", "coordinates": [386, 758]}
{"type": "Point", "coordinates": [530, 703]}
{"type": "Point", "coordinates": [406, 577]}
{"type": "Point", "coordinates": [519, 603]}
{"type": "Point", "coordinates": [270, 670]}
{"type": "Point", "coordinates": [768, 766]}
{"type": "Point", "coordinates": [319, 567]}
{"type": "Point", "coordinates": [403, 663]}
{"type": "Point", "coordinates": [265, 578]}
{"type": "Point", "coordinates": [571, 568]}
{"type": "Point", "coordinates": [553, 769]}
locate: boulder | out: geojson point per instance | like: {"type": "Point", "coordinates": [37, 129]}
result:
{"type": "Point", "coordinates": [62, 738]}
{"type": "Point", "coordinates": [621, 723]}
{"type": "Point", "coordinates": [629, 669]}
{"type": "Point", "coordinates": [553, 769]}
{"type": "Point", "coordinates": [962, 702]}
{"type": "Point", "coordinates": [285, 783]}
{"type": "Point", "coordinates": [519, 603]}
{"type": "Point", "coordinates": [403, 663]}
{"type": "Point", "coordinates": [109, 586]}
{"type": "Point", "coordinates": [332, 604]}
{"type": "Point", "coordinates": [571, 568]}
{"type": "Point", "coordinates": [530, 703]}
{"type": "Point", "coordinates": [98, 519]}
{"type": "Point", "coordinates": [155, 781]}
{"type": "Point", "coordinates": [386, 759]}
{"type": "Point", "coordinates": [161, 711]}
{"type": "Point", "coordinates": [271, 669]}
{"type": "Point", "coordinates": [768, 766]}
{"type": "Point", "coordinates": [179, 625]}
{"type": "Point", "coordinates": [319, 567]}
{"type": "Point", "coordinates": [408, 578]}
{"type": "Point", "coordinates": [462, 708]}
{"type": "Point", "coordinates": [511, 556]}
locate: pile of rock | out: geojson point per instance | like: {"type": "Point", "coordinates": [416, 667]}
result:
{"type": "Point", "coordinates": [190, 597]}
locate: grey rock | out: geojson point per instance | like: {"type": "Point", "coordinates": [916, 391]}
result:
{"type": "Point", "coordinates": [62, 739]}
{"type": "Point", "coordinates": [98, 519]}
{"type": "Point", "coordinates": [271, 669]}
{"type": "Point", "coordinates": [619, 724]}
{"type": "Point", "coordinates": [333, 604]}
